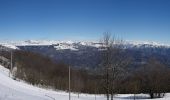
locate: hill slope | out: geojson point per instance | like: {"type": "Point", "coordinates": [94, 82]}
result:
{"type": "Point", "coordinates": [14, 90]}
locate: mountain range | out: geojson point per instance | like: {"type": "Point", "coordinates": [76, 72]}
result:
{"type": "Point", "coordinates": [87, 54]}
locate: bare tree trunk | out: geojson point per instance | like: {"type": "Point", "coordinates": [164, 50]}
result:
{"type": "Point", "coordinates": [69, 85]}
{"type": "Point", "coordinates": [107, 96]}
{"type": "Point", "coordinates": [151, 95]}
{"type": "Point", "coordinates": [112, 96]}
{"type": "Point", "coordinates": [112, 59]}
{"type": "Point", "coordinates": [107, 84]}
{"type": "Point", "coordinates": [134, 96]}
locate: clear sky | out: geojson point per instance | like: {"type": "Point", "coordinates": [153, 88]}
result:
{"type": "Point", "coordinates": [142, 20]}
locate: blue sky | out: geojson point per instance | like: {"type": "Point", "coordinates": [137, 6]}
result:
{"type": "Point", "coordinates": [138, 20]}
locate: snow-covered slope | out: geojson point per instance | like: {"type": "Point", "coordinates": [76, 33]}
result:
{"type": "Point", "coordinates": [14, 90]}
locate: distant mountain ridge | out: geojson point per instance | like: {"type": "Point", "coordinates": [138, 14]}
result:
{"type": "Point", "coordinates": [72, 45]}
{"type": "Point", "coordinates": [87, 54]}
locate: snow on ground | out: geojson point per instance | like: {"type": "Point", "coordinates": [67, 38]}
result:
{"type": "Point", "coordinates": [15, 90]}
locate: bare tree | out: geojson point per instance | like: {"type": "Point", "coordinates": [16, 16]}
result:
{"type": "Point", "coordinates": [157, 77]}
{"type": "Point", "coordinates": [113, 62]}
{"type": "Point", "coordinates": [154, 76]}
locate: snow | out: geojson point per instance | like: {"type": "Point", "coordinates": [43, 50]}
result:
{"type": "Point", "coordinates": [10, 46]}
{"type": "Point", "coordinates": [147, 43]}
{"type": "Point", "coordinates": [14, 90]}
{"type": "Point", "coordinates": [64, 46]}
{"type": "Point", "coordinates": [72, 44]}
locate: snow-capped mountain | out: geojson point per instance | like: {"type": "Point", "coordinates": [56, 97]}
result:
{"type": "Point", "coordinates": [139, 44]}
{"type": "Point", "coordinates": [86, 54]}
{"type": "Point", "coordinates": [74, 45]}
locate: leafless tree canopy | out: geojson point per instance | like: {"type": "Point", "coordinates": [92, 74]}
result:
{"type": "Point", "coordinates": [113, 62]}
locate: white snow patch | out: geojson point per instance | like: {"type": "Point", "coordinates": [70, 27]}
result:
{"type": "Point", "coordinates": [10, 46]}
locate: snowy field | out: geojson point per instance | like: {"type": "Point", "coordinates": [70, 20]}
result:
{"type": "Point", "coordinates": [14, 90]}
